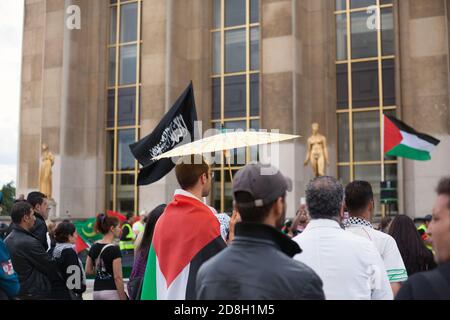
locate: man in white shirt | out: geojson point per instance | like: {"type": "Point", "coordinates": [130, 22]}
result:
{"type": "Point", "coordinates": [350, 267]}
{"type": "Point", "coordinates": [360, 205]}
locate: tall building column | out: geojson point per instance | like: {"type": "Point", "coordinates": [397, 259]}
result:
{"type": "Point", "coordinates": [424, 85]}
{"type": "Point", "coordinates": [175, 50]}
{"type": "Point", "coordinates": [63, 102]}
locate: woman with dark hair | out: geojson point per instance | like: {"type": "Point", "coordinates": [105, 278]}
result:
{"type": "Point", "coordinates": [105, 261]}
{"type": "Point", "coordinates": [67, 261]}
{"type": "Point", "coordinates": [384, 224]}
{"type": "Point", "coordinates": [416, 256]}
{"type": "Point", "coordinates": [140, 262]}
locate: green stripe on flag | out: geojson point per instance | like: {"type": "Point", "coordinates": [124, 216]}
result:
{"type": "Point", "coordinates": [404, 151]}
{"type": "Point", "coordinates": [397, 275]}
{"type": "Point", "coordinates": [149, 291]}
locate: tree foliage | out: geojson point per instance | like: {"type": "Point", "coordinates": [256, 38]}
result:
{"type": "Point", "coordinates": [8, 196]}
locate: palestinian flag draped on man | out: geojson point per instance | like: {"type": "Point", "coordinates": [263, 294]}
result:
{"type": "Point", "coordinates": [400, 140]}
{"type": "Point", "coordinates": [188, 233]}
{"type": "Point", "coordinates": [185, 236]}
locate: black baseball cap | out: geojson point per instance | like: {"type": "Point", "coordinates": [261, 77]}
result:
{"type": "Point", "coordinates": [265, 184]}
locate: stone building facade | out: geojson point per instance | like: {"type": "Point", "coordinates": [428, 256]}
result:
{"type": "Point", "coordinates": [272, 64]}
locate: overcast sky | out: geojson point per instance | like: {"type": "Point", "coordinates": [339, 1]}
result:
{"type": "Point", "coordinates": [11, 27]}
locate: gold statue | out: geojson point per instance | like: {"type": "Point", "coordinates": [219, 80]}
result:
{"type": "Point", "coordinates": [45, 174]}
{"type": "Point", "coordinates": [317, 152]}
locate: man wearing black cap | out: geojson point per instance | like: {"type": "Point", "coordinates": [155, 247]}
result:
{"type": "Point", "coordinates": [258, 263]}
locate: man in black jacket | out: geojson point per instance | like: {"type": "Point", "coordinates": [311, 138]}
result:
{"type": "Point", "coordinates": [36, 271]}
{"type": "Point", "coordinates": [39, 202]}
{"type": "Point", "coordinates": [258, 264]}
{"type": "Point", "coordinates": [434, 284]}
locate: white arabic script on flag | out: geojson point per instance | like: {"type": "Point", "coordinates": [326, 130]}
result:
{"type": "Point", "coordinates": [172, 135]}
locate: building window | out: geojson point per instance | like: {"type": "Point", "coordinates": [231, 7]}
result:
{"type": "Point", "coordinates": [235, 38]}
{"type": "Point", "coordinates": [123, 93]}
{"type": "Point", "coordinates": [365, 74]}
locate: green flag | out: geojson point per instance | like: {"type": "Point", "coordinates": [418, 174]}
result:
{"type": "Point", "coordinates": [85, 230]}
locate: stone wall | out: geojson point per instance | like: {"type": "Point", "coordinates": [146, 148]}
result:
{"type": "Point", "coordinates": [424, 88]}
{"type": "Point", "coordinates": [175, 50]}
{"type": "Point", "coordinates": [63, 101]}
{"type": "Point", "coordinates": [64, 89]}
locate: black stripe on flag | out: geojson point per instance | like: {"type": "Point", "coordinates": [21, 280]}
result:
{"type": "Point", "coordinates": [210, 250]}
{"type": "Point", "coordinates": [404, 127]}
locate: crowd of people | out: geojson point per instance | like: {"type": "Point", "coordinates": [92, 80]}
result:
{"type": "Point", "coordinates": [187, 250]}
{"type": "Point", "coordinates": [35, 265]}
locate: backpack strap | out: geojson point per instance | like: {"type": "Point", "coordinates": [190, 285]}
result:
{"type": "Point", "coordinates": [438, 283]}
{"type": "Point", "coordinates": [97, 261]}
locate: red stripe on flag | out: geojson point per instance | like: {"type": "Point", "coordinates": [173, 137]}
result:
{"type": "Point", "coordinates": [121, 217]}
{"type": "Point", "coordinates": [392, 135]}
{"type": "Point", "coordinates": [183, 230]}
{"type": "Point", "coordinates": [80, 245]}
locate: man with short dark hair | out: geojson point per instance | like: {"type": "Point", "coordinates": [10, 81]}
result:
{"type": "Point", "coordinates": [186, 235]}
{"type": "Point", "coordinates": [39, 202]}
{"type": "Point", "coordinates": [32, 263]}
{"type": "Point", "coordinates": [435, 284]}
{"type": "Point", "coordinates": [258, 264]}
{"type": "Point", "coordinates": [350, 266]}
{"type": "Point", "coordinates": [360, 205]}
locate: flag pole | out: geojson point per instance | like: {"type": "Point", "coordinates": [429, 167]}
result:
{"type": "Point", "coordinates": [228, 157]}
{"type": "Point", "coordinates": [383, 206]}
{"type": "Point", "coordinates": [382, 148]}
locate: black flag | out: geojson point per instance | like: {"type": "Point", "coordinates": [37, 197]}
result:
{"type": "Point", "coordinates": [176, 126]}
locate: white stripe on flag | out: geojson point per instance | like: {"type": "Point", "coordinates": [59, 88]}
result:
{"type": "Point", "coordinates": [415, 142]}
{"type": "Point", "coordinates": [177, 290]}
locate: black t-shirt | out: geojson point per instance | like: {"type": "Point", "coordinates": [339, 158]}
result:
{"type": "Point", "coordinates": [104, 278]}
{"type": "Point", "coordinates": [419, 286]}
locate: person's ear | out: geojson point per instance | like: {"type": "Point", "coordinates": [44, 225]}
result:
{"type": "Point", "coordinates": [279, 206]}
{"type": "Point", "coordinates": [203, 178]}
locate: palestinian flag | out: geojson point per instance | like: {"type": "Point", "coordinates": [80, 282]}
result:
{"type": "Point", "coordinates": [81, 245]}
{"type": "Point", "coordinates": [186, 235]}
{"type": "Point", "coordinates": [400, 140]}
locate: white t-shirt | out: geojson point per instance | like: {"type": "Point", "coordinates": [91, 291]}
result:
{"type": "Point", "coordinates": [350, 267]}
{"type": "Point", "coordinates": [386, 246]}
